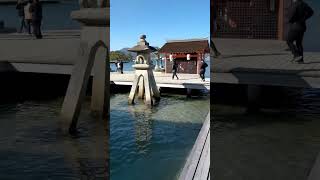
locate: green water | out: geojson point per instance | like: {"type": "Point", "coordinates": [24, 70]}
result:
{"type": "Point", "coordinates": [280, 142]}
{"type": "Point", "coordinates": [153, 143]}
{"type": "Point", "coordinates": [33, 147]}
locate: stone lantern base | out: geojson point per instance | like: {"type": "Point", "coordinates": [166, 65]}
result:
{"type": "Point", "coordinates": [144, 85]}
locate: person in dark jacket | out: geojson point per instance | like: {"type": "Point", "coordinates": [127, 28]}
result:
{"type": "Point", "coordinates": [20, 7]}
{"type": "Point", "coordinates": [298, 15]}
{"type": "Point", "coordinates": [36, 10]}
{"type": "Point", "coordinates": [174, 70]}
{"type": "Point", "coordinates": [203, 67]}
{"type": "Point", "coordinates": [121, 67]}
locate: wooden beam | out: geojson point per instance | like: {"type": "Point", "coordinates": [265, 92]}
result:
{"type": "Point", "coordinates": [281, 20]}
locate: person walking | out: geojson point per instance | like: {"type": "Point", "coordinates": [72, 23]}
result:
{"type": "Point", "coordinates": [298, 15]}
{"type": "Point", "coordinates": [28, 15]}
{"type": "Point", "coordinates": [118, 66]}
{"type": "Point", "coordinates": [20, 7]}
{"type": "Point", "coordinates": [203, 67]}
{"type": "Point", "coordinates": [121, 67]}
{"type": "Point", "coordinates": [174, 70]}
{"type": "Point", "coordinates": [36, 10]}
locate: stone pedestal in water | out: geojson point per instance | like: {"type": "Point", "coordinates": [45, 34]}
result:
{"type": "Point", "coordinates": [144, 84]}
{"type": "Point", "coordinates": [93, 59]}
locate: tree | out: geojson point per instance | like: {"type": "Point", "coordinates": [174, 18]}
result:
{"type": "Point", "coordinates": [118, 55]}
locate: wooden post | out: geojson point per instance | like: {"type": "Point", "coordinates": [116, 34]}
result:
{"type": "Point", "coordinates": [165, 63]}
{"type": "Point", "coordinates": [281, 20]}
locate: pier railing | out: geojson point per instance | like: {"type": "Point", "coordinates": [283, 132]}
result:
{"type": "Point", "coordinates": [198, 162]}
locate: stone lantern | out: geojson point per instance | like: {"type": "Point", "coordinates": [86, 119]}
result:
{"type": "Point", "coordinates": [144, 83]}
{"type": "Point", "coordinates": [94, 16]}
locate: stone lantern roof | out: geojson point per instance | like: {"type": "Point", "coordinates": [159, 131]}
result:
{"type": "Point", "coordinates": [142, 46]}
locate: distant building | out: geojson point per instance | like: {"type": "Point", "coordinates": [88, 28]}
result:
{"type": "Point", "coordinates": [187, 53]}
{"type": "Point", "coordinates": [250, 19]}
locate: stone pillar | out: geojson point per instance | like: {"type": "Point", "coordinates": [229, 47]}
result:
{"type": "Point", "coordinates": [93, 59]}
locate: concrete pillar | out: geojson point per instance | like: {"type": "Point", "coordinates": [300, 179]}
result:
{"type": "Point", "coordinates": [155, 90]}
{"type": "Point", "coordinates": [76, 90]}
{"type": "Point", "coordinates": [147, 87]}
{"type": "Point", "coordinates": [253, 97]}
{"type": "Point", "coordinates": [101, 79]}
{"type": "Point", "coordinates": [141, 88]}
{"type": "Point", "coordinates": [93, 57]}
{"type": "Point", "coordinates": [133, 90]}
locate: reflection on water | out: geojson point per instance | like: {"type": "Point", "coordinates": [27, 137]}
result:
{"type": "Point", "coordinates": [153, 143]}
{"type": "Point", "coordinates": [278, 143]}
{"type": "Point", "coordinates": [32, 146]}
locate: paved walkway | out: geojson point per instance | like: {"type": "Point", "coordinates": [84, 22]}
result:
{"type": "Point", "coordinates": [263, 62]}
{"type": "Point", "coordinates": [191, 81]}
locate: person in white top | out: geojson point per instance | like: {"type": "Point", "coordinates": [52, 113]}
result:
{"type": "Point", "coordinates": [28, 16]}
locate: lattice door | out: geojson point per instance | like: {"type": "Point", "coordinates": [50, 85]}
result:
{"type": "Point", "coordinates": [250, 19]}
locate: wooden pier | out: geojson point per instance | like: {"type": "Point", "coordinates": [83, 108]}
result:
{"type": "Point", "coordinates": [186, 81]}
{"type": "Point", "coordinates": [263, 62]}
{"type": "Point", "coordinates": [197, 166]}
{"type": "Point", "coordinates": [23, 48]}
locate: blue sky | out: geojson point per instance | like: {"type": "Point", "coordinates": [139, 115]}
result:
{"type": "Point", "coordinates": [160, 20]}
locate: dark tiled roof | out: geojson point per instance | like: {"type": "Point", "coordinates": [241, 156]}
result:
{"type": "Point", "coordinates": [139, 48]}
{"type": "Point", "coordinates": [185, 47]}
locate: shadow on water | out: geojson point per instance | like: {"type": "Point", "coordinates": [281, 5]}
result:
{"type": "Point", "coordinates": [280, 142]}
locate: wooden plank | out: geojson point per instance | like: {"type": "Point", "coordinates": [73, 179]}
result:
{"type": "Point", "coordinates": [191, 164]}
{"type": "Point", "coordinates": [202, 170]}
{"type": "Point", "coordinates": [266, 79]}
{"type": "Point", "coordinates": [190, 81]}
{"type": "Point", "coordinates": [263, 62]}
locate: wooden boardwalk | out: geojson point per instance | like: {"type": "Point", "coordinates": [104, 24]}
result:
{"type": "Point", "coordinates": [186, 81]}
{"type": "Point", "coordinates": [197, 166]}
{"type": "Point", "coordinates": [263, 62]}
